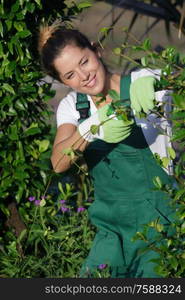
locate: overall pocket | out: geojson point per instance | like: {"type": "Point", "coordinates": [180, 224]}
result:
{"type": "Point", "coordinates": [106, 249]}
{"type": "Point", "coordinates": [120, 174]}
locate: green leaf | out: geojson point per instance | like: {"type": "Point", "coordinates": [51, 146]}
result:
{"type": "Point", "coordinates": [9, 69]}
{"type": "Point", "coordinates": [94, 129]}
{"type": "Point", "coordinates": [159, 227]}
{"type": "Point", "coordinates": [8, 88]}
{"type": "Point", "coordinates": [19, 193]}
{"type": "Point", "coordinates": [43, 145]}
{"type": "Point", "coordinates": [19, 50]}
{"type": "Point", "coordinates": [105, 29]}
{"type": "Point", "coordinates": [44, 176]}
{"type": "Point", "coordinates": [139, 236]}
{"type": "Point", "coordinates": [60, 187]}
{"type": "Point", "coordinates": [84, 4]}
{"type": "Point", "coordinates": [69, 152]}
{"type": "Point", "coordinates": [144, 61]}
{"type": "Point", "coordinates": [13, 134]}
{"type": "Point", "coordinates": [1, 50]}
{"type": "Point", "coordinates": [179, 100]}
{"type": "Point", "coordinates": [167, 70]}
{"type": "Point", "coordinates": [165, 161]}
{"type": "Point", "coordinates": [15, 7]}
{"type": "Point", "coordinates": [22, 235]}
{"type": "Point", "coordinates": [114, 95]}
{"type": "Point", "coordinates": [32, 130]}
{"type": "Point", "coordinates": [147, 44]}
{"type": "Point", "coordinates": [179, 135]}
{"type": "Point", "coordinates": [20, 174]}
{"type": "Point", "coordinates": [11, 111]}
{"type": "Point", "coordinates": [20, 15]}
{"type": "Point", "coordinates": [4, 209]}
{"type": "Point", "coordinates": [23, 34]}
{"type": "Point", "coordinates": [117, 51]}
{"type": "Point", "coordinates": [21, 150]}
{"type": "Point", "coordinates": [171, 152]}
{"type": "Point", "coordinates": [179, 194]}
{"type": "Point", "coordinates": [10, 47]}
{"type": "Point", "coordinates": [1, 29]}
{"type": "Point", "coordinates": [156, 225]}
{"type": "Point", "coordinates": [30, 7]}
{"type": "Point", "coordinates": [180, 115]}
{"type": "Point", "coordinates": [173, 261]}
{"type": "Point", "coordinates": [1, 8]}
{"type": "Point", "coordinates": [42, 202]}
{"type": "Point", "coordinates": [183, 228]}
{"type": "Point", "coordinates": [18, 25]}
{"type": "Point", "coordinates": [157, 182]}
{"type": "Point", "coordinates": [19, 105]}
{"type": "Point", "coordinates": [110, 111]}
{"type": "Point", "coordinates": [38, 2]}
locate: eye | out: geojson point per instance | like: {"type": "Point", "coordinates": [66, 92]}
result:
{"type": "Point", "coordinates": [85, 61]}
{"type": "Point", "coordinates": [70, 76]}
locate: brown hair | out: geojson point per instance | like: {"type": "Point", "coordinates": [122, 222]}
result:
{"type": "Point", "coordinates": [52, 39]}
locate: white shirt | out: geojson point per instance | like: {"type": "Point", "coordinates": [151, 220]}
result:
{"type": "Point", "coordinates": [156, 130]}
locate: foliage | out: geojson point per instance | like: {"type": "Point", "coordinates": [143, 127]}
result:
{"type": "Point", "coordinates": [25, 135]}
{"type": "Point", "coordinates": [55, 241]}
{"type": "Point", "coordinates": [170, 245]}
{"type": "Point", "coordinates": [26, 138]}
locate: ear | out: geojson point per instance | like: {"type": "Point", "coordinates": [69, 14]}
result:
{"type": "Point", "coordinates": [96, 49]}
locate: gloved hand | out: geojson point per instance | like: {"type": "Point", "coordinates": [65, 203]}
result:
{"type": "Point", "coordinates": [110, 130]}
{"type": "Point", "coordinates": [142, 93]}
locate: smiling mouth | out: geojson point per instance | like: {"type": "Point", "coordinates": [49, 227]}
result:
{"type": "Point", "coordinates": [92, 82]}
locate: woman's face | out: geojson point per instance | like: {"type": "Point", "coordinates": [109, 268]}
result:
{"type": "Point", "coordinates": [81, 69]}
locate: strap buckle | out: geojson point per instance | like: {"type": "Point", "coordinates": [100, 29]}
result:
{"type": "Point", "coordinates": [83, 108]}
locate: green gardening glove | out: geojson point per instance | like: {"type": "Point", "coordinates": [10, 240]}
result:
{"type": "Point", "coordinates": [106, 128]}
{"type": "Point", "coordinates": [142, 94]}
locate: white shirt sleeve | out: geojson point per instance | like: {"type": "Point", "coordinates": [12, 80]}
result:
{"type": "Point", "coordinates": [66, 111]}
{"type": "Point", "coordinates": [145, 72]}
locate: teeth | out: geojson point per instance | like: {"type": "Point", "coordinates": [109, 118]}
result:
{"type": "Point", "coordinates": [91, 83]}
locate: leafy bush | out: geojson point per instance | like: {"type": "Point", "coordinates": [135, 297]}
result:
{"type": "Point", "coordinates": [169, 245]}
{"type": "Point", "coordinates": [26, 138]}
{"type": "Point", "coordinates": [25, 133]}
{"type": "Point", "coordinates": [56, 238]}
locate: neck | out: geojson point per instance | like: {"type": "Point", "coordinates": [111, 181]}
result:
{"type": "Point", "coordinates": [112, 83]}
{"type": "Point", "coordinates": [108, 84]}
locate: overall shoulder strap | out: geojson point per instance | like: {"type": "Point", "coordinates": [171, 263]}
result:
{"type": "Point", "coordinates": [83, 106]}
{"type": "Point", "coordinates": [125, 89]}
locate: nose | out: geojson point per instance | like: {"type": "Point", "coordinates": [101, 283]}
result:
{"type": "Point", "coordinates": [84, 75]}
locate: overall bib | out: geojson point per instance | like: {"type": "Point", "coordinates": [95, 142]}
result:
{"type": "Point", "coordinates": [125, 200]}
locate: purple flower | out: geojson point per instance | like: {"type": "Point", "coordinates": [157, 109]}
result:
{"type": "Point", "coordinates": [79, 209]}
{"type": "Point", "coordinates": [37, 202]}
{"type": "Point", "coordinates": [31, 198]}
{"type": "Point", "coordinates": [64, 208]}
{"type": "Point", "coordinates": [102, 266]}
{"type": "Point", "coordinates": [62, 201]}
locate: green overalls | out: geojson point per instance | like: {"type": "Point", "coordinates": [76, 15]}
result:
{"type": "Point", "coordinates": [125, 200]}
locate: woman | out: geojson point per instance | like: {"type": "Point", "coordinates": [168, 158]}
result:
{"type": "Point", "coordinates": [118, 155]}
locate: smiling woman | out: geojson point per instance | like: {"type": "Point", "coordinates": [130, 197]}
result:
{"type": "Point", "coordinates": [119, 155]}
{"type": "Point", "coordinates": [84, 73]}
